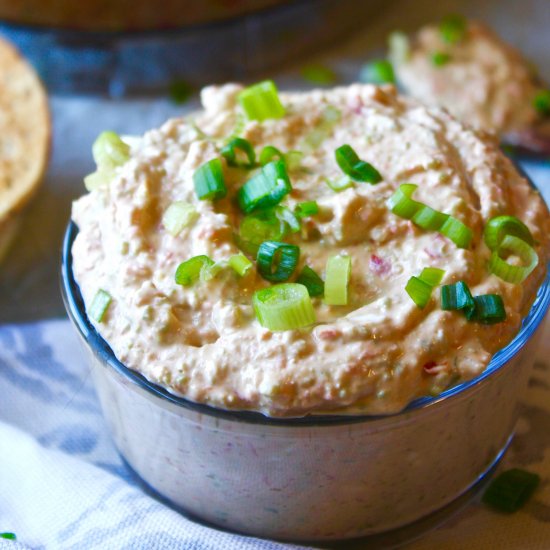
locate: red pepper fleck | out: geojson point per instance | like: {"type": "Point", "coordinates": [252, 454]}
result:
{"type": "Point", "coordinates": [379, 265]}
{"type": "Point", "coordinates": [431, 367]}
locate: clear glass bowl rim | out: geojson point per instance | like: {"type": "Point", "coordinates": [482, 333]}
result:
{"type": "Point", "coordinates": [76, 311]}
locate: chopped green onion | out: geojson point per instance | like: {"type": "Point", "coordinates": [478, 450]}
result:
{"type": "Point", "coordinates": [354, 167]}
{"type": "Point", "coordinates": [311, 281]}
{"type": "Point", "coordinates": [189, 272]}
{"type": "Point", "coordinates": [179, 215]}
{"type": "Point", "coordinates": [99, 306]}
{"type": "Point", "coordinates": [180, 91]}
{"type": "Point", "coordinates": [318, 74]}
{"type": "Point", "coordinates": [287, 216]}
{"type": "Point", "coordinates": [440, 58]}
{"type": "Point", "coordinates": [210, 270]}
{"type": "Point", "coordinates": [541, 102]}
{"type": "Point", "coordinates": [511, 490]}
{"type": "Point", "coordinates": [307, 208]}
{"type": "Point", "coordinates": [497, 228]}
{"type": "Point", "coordinates": [489, 309]}
{"type": "Point", "coordinates": [513, 273]}
{"type": "Point", "coordinates": [420, 288]}
{"type": "Point", "coordinates": [209, 182]}
{"type": "Point", "coordinates": [230, 155]}
{"type": "Point", "coordinates": [277, 261]}
{"type": "Point", "coordinates": [377, 72]}
{"type": "Point", "coordinates": [399, 47]}
{"type": "Point", "coordinates": [258, 227]}
{"type": "Point", "coordinates": [402, 204]}
{"type": "Point", "coordinates": [265, 189]}
{"type": "Point", "coordinates": [8, 536]}
{"type": "Point", "coordinates": [110, 151]}
{"type": "Point", "coordinates": [99, 178]}
{"type": "Point", "coordinates": [293, 160]}
{"type": "Point", "coordinates": [261, 101]}
{"type": "Point", "coordinates": [432, 275]}
{"type": "Point", "coordinates": [284, 307]}
{"type": "Point", "coordinates": [337, 275]}
{"type": "Point", "coordinates": [240, 264]}
{"type": "Point", "coordinates": [420, 291]}
{"type": "Point", "coordinates": [457, 297]}
{"type": "Point", "coordinates": [453, 28]}
{"type": "Point", "coordinates": [457, 232]}
{"type": "Point", "coordinates": [345, 182]}
{"type": "Point", "coordinates": [270, 153]}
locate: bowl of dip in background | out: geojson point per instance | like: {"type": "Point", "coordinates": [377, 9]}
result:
{"type": "Point", "coordinates": [318, 477]}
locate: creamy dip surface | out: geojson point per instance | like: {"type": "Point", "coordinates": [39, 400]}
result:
{"type": "Point", "coordinates": [479, 78]}
{"type": "Point", "coordinates": [374, 355]}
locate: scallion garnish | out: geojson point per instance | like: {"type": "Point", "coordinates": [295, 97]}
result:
{"type": "Point", "coordinates": [489, 309]}
{"type": "Point", "coordinates": [399, 47]}
{"type": "Point", "coordinates": [287, 216]}
{"type": "Point", "coordinates": [240, 264]}
{"type": "Point", "coordinates": [277, 261]}
{"type": "Point", "coordinates": [511, 490]}
{"type": "Point", "coordinates": [354, 167]}
{"type": "Point", "coordinates": [377, 72]}
{"type": "Point", "coordinates": [458, 297]}
{"type": "Point", "coordinates": [229, 152]}
{"type": "Point", "coordinates": [261, 101]}
{"type": "Point", "coordinates": [189, 272]}
{"type": "Point", "coordinates": [8, 536]}
{"type": "Point", "coordinates": [541, 102]}
{"type": "Point", "coordinates": [258, 227]}
{"type": "Point", "coordinates": [109, 151]}
{"type": "Point", "coordinates": [318, 74]}
{"type": "Point", "coordinates": [269, 153]}
{"type": "Point", "coordinates": [99, 306]}
{"type": "Point", "coordinates": [402, 204]}
{"type": "Point", "coordinates": [453, 28]}
{"type": "Point", "coordinates": [284, 306]}
{"type": "Point", "coordinates": [497, 228]}
{"type": "Point", "coordinates": [307, 208]}
{"type": "Point", "coordinates": [209, 181]}
{"type": "Point", "coordinates": [178, 215]}
{"type": "Point", "coordinates": [337, 276]}
{"type": "Point", "coordinates": [440, 58]}
{"type": "Point", "coordinates": [339, 185]}
{"type": "Point", "coordinates": [265, 189]}
{"type": "Point", "coordinates": [309, 278]}
{"type": "Point", "coordinates": [420, 288]}
{"type": "Point", "coordinates": [513, 273]}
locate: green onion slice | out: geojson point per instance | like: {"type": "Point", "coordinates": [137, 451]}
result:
{"type": "Point", "coordinates": [399, 47]}
{"type": "Point", "coordinates": [541, 102]}
{"type": "Point", "coordinates": [189, 272]}
{"type": "Point", "coordinates": [511, 490]}
{"type": "Point", "coordinates": [229, 152]}
{"type": "Point", "coordinates": [489, 309]}
{"type": "Point", "coordinates": [318, 74]}
{"type": "Point", "coordinates": [287, 216]}
{"type": "Point", "coordinates": [337, 276]}
{"type": "Point", "coordinates": [309, 278]}
{"type": "Point", "coordinates": [99, 306]}
{"type": "Point", "coordinates": [457, 297]}
{"type": "Point", "coordinates": [265, 189]}
{"type": "Point", "coordinates": [453, 28]}
{"type": "Point", "coordinates": [284, 306]}
{"type": "Point", "coordinates": [178, 215]}
{"type": "Point", "coordinates": [513, 273]}
{"type": "Point", "coordinates": [432, 275]}
{"type": "Point", "coordinates": [440, 58]}
{"type": "Point", "coordinates": [269, 153]}
{"type": "Point", "coordinates": [293, 160]}
{"type": "Point", "coordinates": [8, 536]}
{"type": "Point", "coordinates": [277, 261]}
{"type": "Point", "coordinates": [379, 71]}
{"type": "Point", "coordinates": [99, 178]}
{"type": "Point", "coordinates": [240, 264]}
{"type": "Point", "coordinates": [209, 182]}
{"type": "Point", "coordinates": [258, 227]}
{"type": "Point", "coordinates": [354, 167]}
{"type": "Point", "coordinates": [307, 208]}
{"type": "Point", "coordinates": [402, 204]}
{"type": "Point", "coordinates": [339, 185]}
{"type": "Point", "coordinates": [420, 291]}
{"type": "Point", "coordinates": [497, 228]}
{"type": "Point", "coordinates": [261, 101]}
{"type": "Point", "coordinates": [110, 151]}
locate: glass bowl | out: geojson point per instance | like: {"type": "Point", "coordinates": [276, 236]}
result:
{"type": "Point", "coordinates": [315, 478]}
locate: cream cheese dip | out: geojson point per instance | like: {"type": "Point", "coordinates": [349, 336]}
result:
{"type": "Point", "coordinates": [374, 354]}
